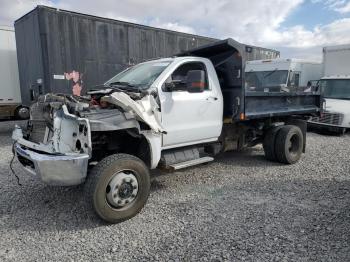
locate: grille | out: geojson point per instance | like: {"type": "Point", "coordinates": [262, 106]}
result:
{"type": "Point", "coordinates": [329, 118]}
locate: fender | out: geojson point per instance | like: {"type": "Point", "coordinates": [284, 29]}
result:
{"type": "Point", "coordinates": [155, 144]}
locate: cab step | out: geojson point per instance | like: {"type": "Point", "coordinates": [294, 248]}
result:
{"type": "Point", "coordinates": [189, 163]}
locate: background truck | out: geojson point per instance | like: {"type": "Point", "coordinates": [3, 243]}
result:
{"type": "Point", "coordinates": [170, 113]}
{"type": "Point", "coordinates": [335, 85]}
{"type": "Point", "coordinates": [280, 74]}
{"type": "Point", "coordinates": [10, 93]}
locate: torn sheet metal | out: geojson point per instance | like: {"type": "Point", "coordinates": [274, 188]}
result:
{"type": "Point", "coordinates": [69, 135]}
{"type": "Point", "coordinates": [145, 109]}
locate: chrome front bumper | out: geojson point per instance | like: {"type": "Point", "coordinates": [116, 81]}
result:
{"type": "Point", "coordinates": [58, 170]}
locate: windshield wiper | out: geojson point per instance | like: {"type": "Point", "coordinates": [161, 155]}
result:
{"type": "Point", "coordinates": [270, 73]}
{"type": "Point", "coordinates": [121, 83]}
{"type": "Point", "coordinates": [99, 88]}
{"type": "Point", "coordinates": [125, 86]}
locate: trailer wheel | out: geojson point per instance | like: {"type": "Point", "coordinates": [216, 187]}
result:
{"type": "Point", "coordinates": [118, 187]}
{"type": "Point", "coordinates": [269, 143]}
{"type": "Point", "coordinates": [289, 144]}
{"type": "Point", "coordinates": [22, 113]}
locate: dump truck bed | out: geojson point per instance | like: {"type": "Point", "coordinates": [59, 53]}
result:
{"type": "Point", "coordinates": [262, 105]}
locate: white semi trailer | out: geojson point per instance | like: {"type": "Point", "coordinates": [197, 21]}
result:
{"type": "Point", "coordinates": [10, 94]}
{"type": "Point", "coordinates": [335, 85]}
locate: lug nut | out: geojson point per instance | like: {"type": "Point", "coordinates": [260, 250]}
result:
{"type": "Point", "coordinates": [119, 201]}
{"type": "Point", "coordinates": [115, 196]}
{"type": "Point", "coordinates": [126, 201]}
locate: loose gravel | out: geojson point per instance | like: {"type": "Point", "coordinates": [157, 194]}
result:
{"type": "Point", "coordinates": [238, 208]}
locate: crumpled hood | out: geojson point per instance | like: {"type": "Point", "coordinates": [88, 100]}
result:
{"type": "Point", "coordinates": [121, 114]}
{"type": "Point", "coordinates": [146, 109]}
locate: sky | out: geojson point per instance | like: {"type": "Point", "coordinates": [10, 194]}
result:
{"type": "Point", "coordinates": [297, 28]}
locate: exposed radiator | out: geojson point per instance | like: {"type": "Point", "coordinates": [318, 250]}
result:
{"type": "Point", "coordinates": [37, 130]}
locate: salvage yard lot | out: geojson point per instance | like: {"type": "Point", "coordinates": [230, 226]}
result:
{"type": "Point", "coordinates": [238, 207]}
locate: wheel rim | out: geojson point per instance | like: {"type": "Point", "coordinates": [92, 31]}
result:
{"type": "Point", "coordinates": [122, 189]}
{"type": "Point", "coordinates": [23, 112]}
{"type": "Point", "coordinates": [294, 145]}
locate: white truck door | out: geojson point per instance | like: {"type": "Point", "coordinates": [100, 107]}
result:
{"type": "Point", "coordinates": [190, 118]}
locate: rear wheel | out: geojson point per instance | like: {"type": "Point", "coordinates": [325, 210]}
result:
{"type": "Point", "coordinates": [269, 143]}
{"type": "Point", "coordinates": [118, 187]}
{"type": "Point", "coordinates": [289, 144]}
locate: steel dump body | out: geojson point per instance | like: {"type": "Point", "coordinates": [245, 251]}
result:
{"type": "Point", "coordinates": [240, 104]}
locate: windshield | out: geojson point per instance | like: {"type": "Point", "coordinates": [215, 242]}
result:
{"type": "Point", "coordinates": [336, 88]}
{"type": "Point", "coordinates": [260, 80]}
{"type": "Point", "coordinates": [140, 76]}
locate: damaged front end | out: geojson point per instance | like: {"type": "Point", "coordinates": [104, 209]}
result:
{"type": "Point", "coordinates": [58, 142]}
{"type": "Point", "coordinates": [56, 145]}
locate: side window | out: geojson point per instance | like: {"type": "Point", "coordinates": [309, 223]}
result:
{"type": "Point", "coordinates": [296, 80]}
{"type": "Point", "coordinates": [179, 76]}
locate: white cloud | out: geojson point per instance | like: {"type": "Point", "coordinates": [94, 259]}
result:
{"type": "Point", "coordinates": [172, 26]}
{"type": "Point", "coordinates": [337, 32]}
{"type": "Point", "coordinates": [10, 10]}
{"type": "Point", "coordinates": [254, 22]}
{"type": "Point", "coordinates": [344, 9]}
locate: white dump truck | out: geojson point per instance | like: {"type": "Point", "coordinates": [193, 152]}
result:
{"type": "Point", "coordinates": [335, 85]}
{"type": "Point", "coordinates": [167, 113]}
{"type": "Point", "coordinates": [282, 74]}
{"type": "Point", "coordinates": [10, 93]}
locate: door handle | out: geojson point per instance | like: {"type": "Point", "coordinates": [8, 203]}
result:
{"type": "Point", "coordinates": [212, 98]}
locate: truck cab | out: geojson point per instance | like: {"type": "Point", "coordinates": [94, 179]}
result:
{"type": "Point", "coordinates": [335, 85]}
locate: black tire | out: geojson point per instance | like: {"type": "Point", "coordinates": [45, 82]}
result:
{"type": "Point", "coordinates": [341, 131]}
{"type": "Point", "coordinates": [22, 113]}
{"type": "Point", "coordinates": [269, 143]}
{"type": "Point", "coordinates": [289, 144]}
{"type": "Point", "coordinates": [97, 182]}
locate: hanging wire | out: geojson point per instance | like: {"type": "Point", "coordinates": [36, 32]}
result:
{"type": "Point", "coordinates": [11, 164]}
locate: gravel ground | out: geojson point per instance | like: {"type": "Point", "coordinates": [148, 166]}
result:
{"type": "Point", "coordinates": [239, 207]}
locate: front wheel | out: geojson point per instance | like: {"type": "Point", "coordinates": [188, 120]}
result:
{"type": "Point", "coordinates": [118, 187]}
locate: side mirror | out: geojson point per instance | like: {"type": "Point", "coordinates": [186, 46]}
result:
{"type": "Point", "coordinates": [169, 86]}
{"type": "Point", "coordinates": [195, 81]}
{"type": "Point", "coordinates": [175, 85]}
